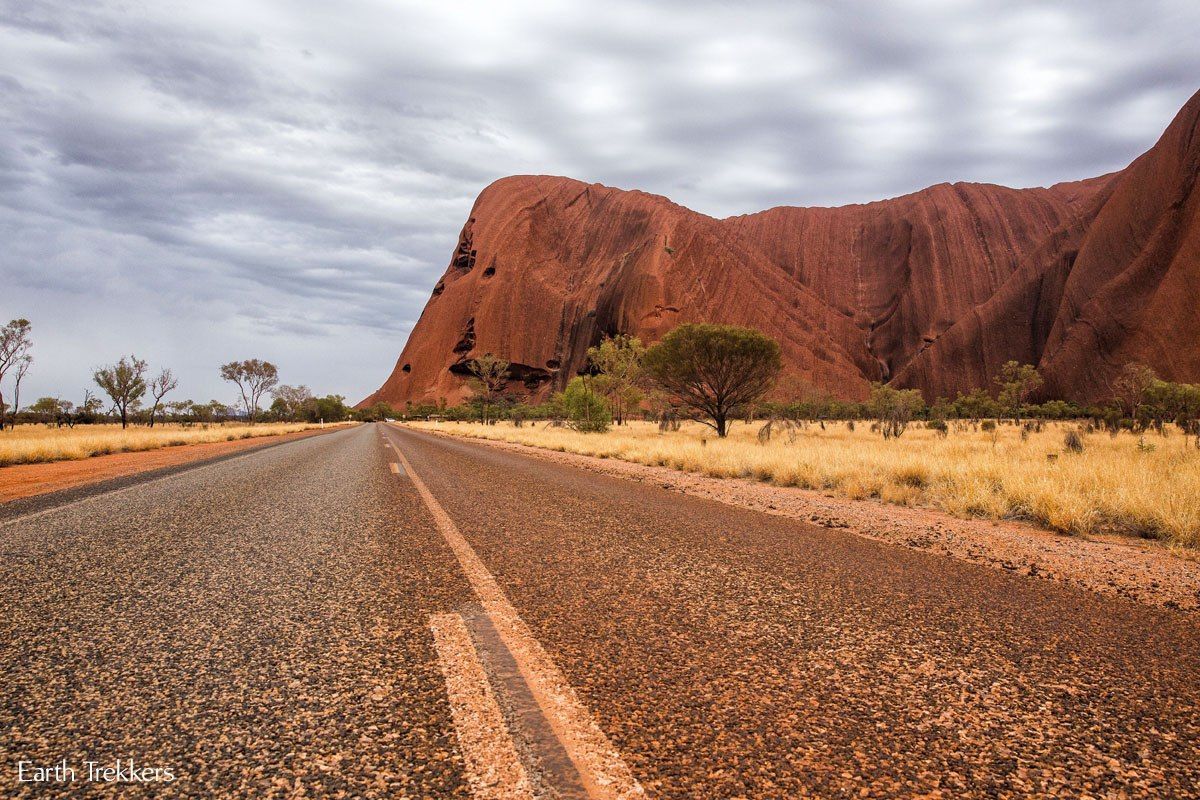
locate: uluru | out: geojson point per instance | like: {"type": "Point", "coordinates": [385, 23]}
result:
{"type": "Point", "coordinates": [933, 290]}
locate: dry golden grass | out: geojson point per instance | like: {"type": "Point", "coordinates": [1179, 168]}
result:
{"type": "Point", "coordinates": [1112, 487]}
{"type": "Point", "coordinates": [32, 444]}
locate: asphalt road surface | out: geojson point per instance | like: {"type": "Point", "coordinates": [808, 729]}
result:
{"type": "Point", "coordinates": [377, 612]}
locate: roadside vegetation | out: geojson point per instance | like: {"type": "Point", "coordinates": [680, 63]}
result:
{"type": "Point", "coordinates": [36, 444]}
{"type": "Point", "coordinates": [128, 407]}
{"type": "Point", "coordinates": [709, 399]}
{"type": "Point", "coordinates": [1141, 486]}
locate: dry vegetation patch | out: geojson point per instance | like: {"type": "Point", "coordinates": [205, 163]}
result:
{"type": "Point", "coordinates": [36, 444]}
{"type": "Point", "coordinates": [1124, 484]}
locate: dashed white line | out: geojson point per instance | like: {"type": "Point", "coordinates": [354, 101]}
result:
{"type": "Point", "coordinates": [494, 769]}
{"type": "Point", "coordinates": [604, 773]}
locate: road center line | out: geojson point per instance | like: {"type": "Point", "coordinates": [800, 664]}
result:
{"type": "Point", "coordinates": [494, 768]}
{"type": "Point", "coordinates": [604, 773]}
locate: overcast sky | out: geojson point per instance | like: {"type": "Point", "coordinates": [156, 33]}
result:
{"type": "Point", "coordinates": [201, 181]}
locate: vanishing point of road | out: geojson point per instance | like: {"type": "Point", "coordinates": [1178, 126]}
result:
{"type": "Point", "coordinates": [377, 612]}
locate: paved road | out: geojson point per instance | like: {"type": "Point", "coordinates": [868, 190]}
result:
{"type": "Point", "coordinates": [262, 626]}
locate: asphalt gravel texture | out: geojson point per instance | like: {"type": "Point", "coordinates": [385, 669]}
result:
{"type": "Point", "coordinates": [260, 625]}
{"type": "Point", "coordinates": [729, 653]}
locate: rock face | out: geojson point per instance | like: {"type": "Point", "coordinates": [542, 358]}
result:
{"type": "Point", "coordinates": [933, 290]}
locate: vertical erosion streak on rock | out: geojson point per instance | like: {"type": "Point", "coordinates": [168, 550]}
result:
{"type": "Point", "coordinates": [989, 261]}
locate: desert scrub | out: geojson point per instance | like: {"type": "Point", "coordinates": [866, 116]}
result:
{"type": "Point", "coordinates": [1108, 485]}
{"type": "Point", "coordinates": [35, 444]}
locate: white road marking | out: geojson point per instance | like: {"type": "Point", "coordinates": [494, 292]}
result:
{"type": "Point", "coordinates": [605, 774]}
{"type": "Point", "coordinates": [494, 769]}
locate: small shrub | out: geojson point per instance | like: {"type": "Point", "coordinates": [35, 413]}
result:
{"type": "Point", "coordinates": [988, 426]}
{"type": "Point", "coordinates": [1073, 442]}
{"type": "Point", "coordinates": [586, 410]}
{"type": "Point", "coordinates": [894, 408]}
{"type": "Point", "coordinates": [915, 477]}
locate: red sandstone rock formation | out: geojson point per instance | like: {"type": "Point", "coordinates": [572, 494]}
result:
{"type": "Point", "coordinates": [1122, 284]}
{"type": "Point", "coordinates": [933, 290]}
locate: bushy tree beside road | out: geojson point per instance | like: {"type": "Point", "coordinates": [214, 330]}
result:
{"type": "Point", "coordinates": [489, 374]}
{"type": "Point", "coordinates": [15, 344]}
{"type": "Point", "coordinates": [715, 370]}
{"type": "Point", "coordinates": [617, 361]}
{"type": "Point", "coordinates": [124, 383]}
{"type": "Point", "coordinates": [894, 408]}
{"type": "Point", "coordinates": [253, 378]}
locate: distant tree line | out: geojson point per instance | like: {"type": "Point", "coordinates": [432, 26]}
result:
{"type": "Point", "coordinates": [713, 374]}
{"type": "Point", "coordinates": [717, 374]}
{"type": "Point", "coordinates": [127, 392]}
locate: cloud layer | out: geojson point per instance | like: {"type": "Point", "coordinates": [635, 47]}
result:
{"type": "Point", "coordinates": [196, 182]}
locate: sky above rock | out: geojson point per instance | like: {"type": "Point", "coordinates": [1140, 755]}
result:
{"type": "Point", "coordinates": [197, 182]}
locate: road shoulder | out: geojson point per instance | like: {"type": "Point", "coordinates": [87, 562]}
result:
{"type": "Point", "coordinates": [29, 488]}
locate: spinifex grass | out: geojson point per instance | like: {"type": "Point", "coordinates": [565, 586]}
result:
{"type": "Point", "coordinates": [30, 444]}
{"type": "Point", "coordinates": [1112, 486]}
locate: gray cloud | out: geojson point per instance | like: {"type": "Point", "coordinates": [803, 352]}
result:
{"type": "Point", "coordinates": [197, 182]}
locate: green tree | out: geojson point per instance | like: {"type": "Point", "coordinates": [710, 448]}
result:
{"type": "Point", "coordinates": [714, 369]}
{"type": "Point", "coordinates": [942, 409]}
{"type": "Point", "coordinates": [212, 411]}
{"type": "Point", "coordinates": [22, 369]}
{"type": "Point", "coordinates": [179, 410]}
{"type": "Point", "coordinates": [124, 383]}
{"type": "Point", "coordinates": [1131, 385]}
{"type": "Point", "coordinates": [1017, 382]}
{"type": "Point", "coordinates": [379, 412]}
{"type": "Point", "coordinates": [489, 374]}
{"type": "Point", "coordinates": [89, 410]}
{"type": "Point", "coordinates": [1165, 402]}
{"type": "Point", "coordinates": [330, 408]}
{"type": "Point", "coordinates": [15, 343]}
{"type": "Point", "coordinates": [584, 407]}
{"type": "Point", "coordinates": [1057, 409]}
{"type": "Point", "coordinates": [618, 362]}
{"type": "Point", "coordinates": [975, 406]}
{"type": "Point", "coordinates": [159, 387]}
{"type": "Point", "coordinates": [254, 378]}
{"type": "Point", "coordinates": [47, 409]}
{"type": "Point", "coordinates": [894, 408]}
{"type": "Point", "coordinates": [291, 401]}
